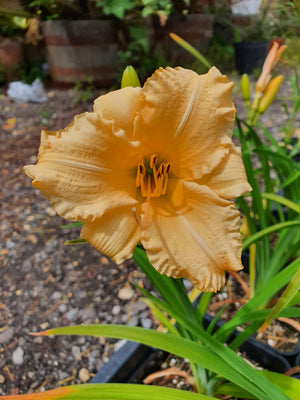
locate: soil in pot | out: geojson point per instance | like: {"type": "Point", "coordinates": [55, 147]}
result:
{"type": "Point", "coordinates": [280, 335]}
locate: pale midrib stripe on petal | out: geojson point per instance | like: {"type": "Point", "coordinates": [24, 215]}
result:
{"type": "Point", "coordinates": [195, 235]}
{"type": "Point", "coordinates": [188, 111]}
{"type": "Point", "coordinates": [77, 165]}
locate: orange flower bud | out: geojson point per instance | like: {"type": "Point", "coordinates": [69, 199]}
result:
{"type": "Point", "coordinates": [271, 60]}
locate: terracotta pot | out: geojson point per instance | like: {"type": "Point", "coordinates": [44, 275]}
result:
{"type": "Point", "coordinates": [79, 49]}
{"type": "Point", "coordinates": [11, 56]}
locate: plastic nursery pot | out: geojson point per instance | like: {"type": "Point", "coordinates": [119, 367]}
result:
{"type": "Point", "coordinates": [125, 364]}
{"type": "Point", "coordinates": [250, 55]}
{"type": "Point", "coordinates": [133, 361]}
{"type": "Point", "coordinates": [293, 356]}
{"type": "Point", "coordinates": [256, 351]}
{"type": "Point", "coordinates": [297, 364]}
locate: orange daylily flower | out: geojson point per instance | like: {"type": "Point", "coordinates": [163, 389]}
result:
{"type": "Point", "coordinates": [271, 60]}
{"type": "Point", "coordinates": [154, 165]}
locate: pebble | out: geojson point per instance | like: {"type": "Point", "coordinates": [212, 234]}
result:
{"type": "Point", "coordinates": [133, 321]}
{"type": "Point", "coordinates": [86, 313]}
{"type": "Point", "coordinates": [126, 293]}
{"type": "Point", "coordinates": [76, 352]}
{"type": "Point", "coordinates": [56, 296]}
{"type": "Point", "coordinates": [71, 314]}
{"type": "Point", "coordinates": [93, 357]}
{"type": "Point", "coordinates": [50, 211]}
{"type": "Point", "coordinates": [84, 375]}
{"type": "Point", "coordinates": [32, 238]}
{"type": "Point", "coordinates": [62, 375]}
{"type": "Point", "coordinates": [271, 342]}
{"type": "Point", "coordinates": [6, 335]}
{"type": "Point", "coordinates": [138, 306]}
{"type": "Point", "coordinates": [81, 339]}
{"type": "Point", "coordinates": [62, 308]}
{"type": "Point", "coordinates": [18, 356]}
{"type": "Point", "coordinates": [146, 323]}
{"type": "Point", "coordinates": [116, 310]}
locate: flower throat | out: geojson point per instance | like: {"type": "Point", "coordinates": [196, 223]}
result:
{"type": "Point", "coordinates": [152, 181]}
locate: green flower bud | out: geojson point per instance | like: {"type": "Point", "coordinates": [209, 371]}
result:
{"type": "Point", "coordinates": [130, 78]}
{"type": "Point", "coordinates": [245, 86]}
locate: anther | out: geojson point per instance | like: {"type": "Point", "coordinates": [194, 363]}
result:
{"type": "Point", "coordinates": [153, 161]}
{"type": "Point", "coordinates": [153, 182]}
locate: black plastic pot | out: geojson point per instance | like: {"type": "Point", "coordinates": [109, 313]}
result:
{"type": "Point", "coordinates": [293, 357]}
{"type": "Point", "coordinates": [250, 55]}
{"type": "Point", "coordinates": [256, 351]}
{"type": "Point", "coordinates": [297, 364]}
{"type": "Point", "coordinates": [124, 364]}
{"type": "Point", "coordinates": [132, 360]}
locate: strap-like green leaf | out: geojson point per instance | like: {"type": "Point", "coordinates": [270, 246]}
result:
{"type": "Point", "coordinates": [112, 391]}
{"type": "Point", "coordinates": [274, 228]}
{"type": "Point", "coordinates": [282, 200]}
{"type": "Point", "coordinates": [220, 359]}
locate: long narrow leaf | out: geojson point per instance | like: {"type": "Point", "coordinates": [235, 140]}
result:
{"type": "Point", "coordinates": [260, 315]}
{"type": "Point", "coordinates": [190, 49]}
{"type": "Point", "coordinates": [291, 179]}
{"type": "Point", "coordinates": [279, 156]}
{"type": "Point", "coordinates": [288, 294]}
{"type": "Point", "coordinates": [172, 290]}
{"type": "Point", "coordinates": [76, 241]}
{"type": "Point", "coordinates": [111, 391]}
{"type": "Point", "coordinates": [162, 283]}
{"type": "Point", "coordinates": [266, 231]}
{"type": "Point", "coordinates": [162, 318]}
{"type": "Point", "coordinates": [290, 386]}
{"type": "Point", "coordinates": [282, 200]}
{"type": "Point", "coordinates": [261, 298]}
{"type": "Point", "coordinates": [195, 352]}
{"type": "Point", "coordinates": [233, 368]}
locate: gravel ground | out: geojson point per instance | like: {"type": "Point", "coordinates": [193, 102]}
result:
{"type": "Point", "coordinates": [46, 284]}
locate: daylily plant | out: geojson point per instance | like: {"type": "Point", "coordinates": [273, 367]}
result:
{"type": "Point", "coordinates": [157, 165]}
{"type": "Point", "coordinates": [153, 165]}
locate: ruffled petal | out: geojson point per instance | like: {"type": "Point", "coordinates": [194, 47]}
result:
{"type": "Point", "coordinates": [115, 234]}
{"type": "Point", "coordinates": [119, 106]}
{"type": "Point", "coordinates": [197, 238]}
{"type": "Point", "coordinates": [186, 119]}
{"type": "Point", "coordinates": [229, 179]}
{"type": "Point", "coordinates": [82, 170]}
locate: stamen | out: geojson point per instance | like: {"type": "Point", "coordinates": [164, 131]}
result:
{"type": "Point", "coordinates": [166, 175]}
{"type": "Point", "coordinates": [153, 182]}
{"type": "Point", "coordinates": [140, 174]}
